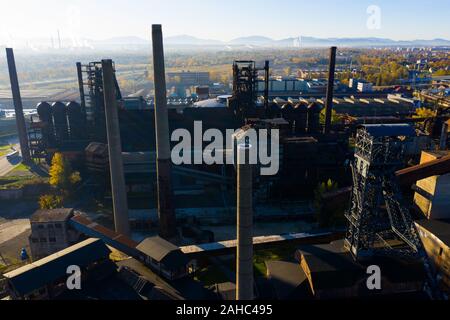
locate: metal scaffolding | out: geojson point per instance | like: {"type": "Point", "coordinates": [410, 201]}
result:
{"type": "Point", "coordinates": [378, 221]}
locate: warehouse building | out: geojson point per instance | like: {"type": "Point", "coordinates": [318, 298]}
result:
{"type": "Point", "coordinates": [46, 278]}
{"type": "Point", "coordinates": [50, 232]}
{"type": "Point", "coordinates": [163, 257]}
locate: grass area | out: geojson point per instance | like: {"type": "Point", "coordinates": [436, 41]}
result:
{"type": "Point", "coordinates": [210, 275]}
{"type": "Point", "coordinates": [15, 182]}
{"type": "Point", "coordinates": [21, 167]}
{"type": "Point", "coordinates": [4, 150]}
{"type": "Point", "coordinates": [260, 256]}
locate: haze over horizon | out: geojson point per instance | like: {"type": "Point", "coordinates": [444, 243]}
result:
{"type": "Point", "coordinates": [224, 21]}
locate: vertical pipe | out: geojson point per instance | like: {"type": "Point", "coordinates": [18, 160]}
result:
{"type": "Point", "coordinates": [266, 87]}
{"type": "Point", "coordinates": [244, 254]}
{"type": "Point", "coordinates": [330, 88]}
{"type": "Point", "coordinates": [18, 108]}
{"type": "Point", "coordinates": [166, 212]}
{"type": "Point", "coordinates": [118, 189]}
{"type": "Point", "coordinates": [81, 88]}
{"type": "Point", "coordinates": [444, 136]}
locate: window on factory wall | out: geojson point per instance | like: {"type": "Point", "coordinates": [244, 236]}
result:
{"type": "Point", "coordinates": [441, 252]}
{"type": "Point", "coordinates": [43, 240]}
{"type": "Point", "coordinates": [34, 240]}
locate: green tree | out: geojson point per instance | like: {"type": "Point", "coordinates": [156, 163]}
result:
{"type": "Point", "coordinates": [327, 215]}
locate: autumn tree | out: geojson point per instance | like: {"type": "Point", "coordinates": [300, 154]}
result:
{"type": "Point", "coordinates": [50, 201]}
{"type": "Point", "coordinates": [62, 176]}
{"type": "Point", "coordinates": [335, 117]}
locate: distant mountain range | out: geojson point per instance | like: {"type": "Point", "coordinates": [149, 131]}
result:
{"type": "Point", "coordinates": [306, 42]}
{"type": "Point", "coordinates": [187, 42]}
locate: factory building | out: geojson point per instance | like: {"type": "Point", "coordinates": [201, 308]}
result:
{"type": "Point", "coordinates": [163, 257]}
{"type": "Point", "coordinates": [432, 196]}
{"type": "Point", "coordinates": [435, 235]}
{"type": "Point", "coordinates": [50, 232]}
{"type": "Point", "coordinates": [46, 278]}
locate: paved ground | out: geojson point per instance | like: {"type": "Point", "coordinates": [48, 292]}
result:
{"type": "Point", "coordinates": [15, 229]}
{"type": "Point", "coordinates": [6, 165]}
{"type": "Point", "coordinates": [10, 229]}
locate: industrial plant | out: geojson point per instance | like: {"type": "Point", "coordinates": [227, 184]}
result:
{"type": "Point", "coordinates": [347, 195]}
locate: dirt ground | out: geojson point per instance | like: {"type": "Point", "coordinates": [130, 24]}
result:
{"type": "Point", "coordinates": [14, 230]}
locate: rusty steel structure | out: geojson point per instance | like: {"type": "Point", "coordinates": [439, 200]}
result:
{"type": "Point", "coordinates": [378, 219]}
{"type": "Point", "coordinates": [245, 89]}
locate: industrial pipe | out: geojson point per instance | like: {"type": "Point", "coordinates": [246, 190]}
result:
{"type": "Point", "coordinates": [118, 189]}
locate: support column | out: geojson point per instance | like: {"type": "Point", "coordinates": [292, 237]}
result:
{"type": "Point", "coordinates": [18, 108]}
{"type": "Point", "coordinates": [118, 188]}
{"type": "Point", "coordinates": [166, 212]}
{"type": "Point", "coordinates": [81, 88]}
{"type": "Point", "coordinates": [244, 254]}
{"type": "Point", "coordinates": [330, 90]}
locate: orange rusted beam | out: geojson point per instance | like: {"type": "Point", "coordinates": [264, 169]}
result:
{"type": "Point", "coordinates": [437, 167]}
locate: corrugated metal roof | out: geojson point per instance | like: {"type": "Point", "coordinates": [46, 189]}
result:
{"type": "Point", "coordinates": [53, 215]}
{"type": "Point", "coordinates": [162, 251]}
{"type": "Point", "coordinates": [39, 273]}
{"type": "Point", "coordinates": [390, 130]}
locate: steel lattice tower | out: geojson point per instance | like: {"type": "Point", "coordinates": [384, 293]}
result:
{"type": "Point", "coordinates": [379, 223]}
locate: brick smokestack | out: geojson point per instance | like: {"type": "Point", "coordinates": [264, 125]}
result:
{"type": "Point", "coordinates": [330, 89]}
{"type": "Point", "coordinates": [166, 212]}
{"type": "Point", "coordinates": [18, 108]}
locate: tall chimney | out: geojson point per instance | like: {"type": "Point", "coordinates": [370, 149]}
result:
{"type": "Point", "coordinates": [330, 89]}
{"type": "Point", "coordinates": [81, 89]}
{"type": "Point", "coordinates": [244, 254]}
{"type": "Point", "coordinates": [18, 108]}
{"type": "Point", "coordinates": [118, 189]}
{"type": "Point", "coordinates": [166, 212]}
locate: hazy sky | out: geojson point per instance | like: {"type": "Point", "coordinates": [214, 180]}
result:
{"type": "Point", "coordinates": [225, 19]}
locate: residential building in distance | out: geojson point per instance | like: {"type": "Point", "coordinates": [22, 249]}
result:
{"type": "Point", "coordinates": [364, 86]}
{"type": "Point", "coordinates": [189, 78]}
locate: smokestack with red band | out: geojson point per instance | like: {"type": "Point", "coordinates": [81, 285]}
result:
{"type": "Point", "coordinates": [18, 108]}
{"type": "Point", "coordinates": [166, 212]}
{"type": "Point", "coordinates": [330, 89]}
